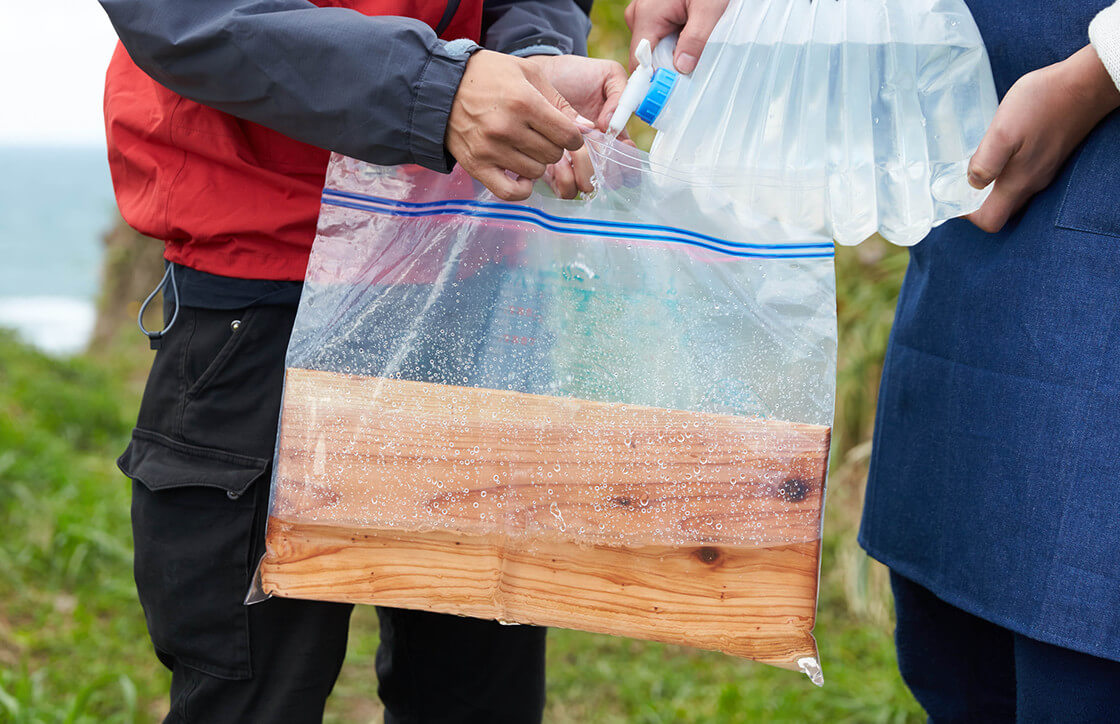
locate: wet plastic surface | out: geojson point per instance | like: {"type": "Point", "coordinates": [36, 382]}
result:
{"type": "Point", "coordinates": [627, 298]}
{"type": "Point", "coordinates": [615, 380]}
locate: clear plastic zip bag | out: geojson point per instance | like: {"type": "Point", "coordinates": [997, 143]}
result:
{"type": "Point", "coordinates": [609, 414]}
{"type": "Point", "coordinates": [882, 101]}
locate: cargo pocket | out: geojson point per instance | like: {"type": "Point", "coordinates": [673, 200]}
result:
{"type": "Point", "coordinates": [233, 378]}
{"type": "Point", "coordinates": [194, 514]}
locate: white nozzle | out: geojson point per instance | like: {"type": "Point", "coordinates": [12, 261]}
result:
{"type": "Point", "coordinates": [636, 88]}
{"type": "Point", "coordinates": [663, 53]}
{"type": "Point", "coordinates": [649, 59]}
{"type": "Point", "coordinates": [644, 53]}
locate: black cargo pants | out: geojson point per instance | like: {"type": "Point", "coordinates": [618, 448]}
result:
{"type": "Point", "coordinates": [200, 459]}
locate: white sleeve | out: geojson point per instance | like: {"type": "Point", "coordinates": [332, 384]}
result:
{"type": "Point", "coordinates": [1104, 34]}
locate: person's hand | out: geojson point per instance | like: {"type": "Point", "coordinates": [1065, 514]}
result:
{"type": "Point", "coordinates": [654, 19]}
{"type": "Point", "coordinates": [592, 86]}
{"type": "Point", "coordinates": [507, 116]}
{"type": "Point", "coordinates": [1040, 122]}
{"type": "Point", "coordinates": [571, 174]}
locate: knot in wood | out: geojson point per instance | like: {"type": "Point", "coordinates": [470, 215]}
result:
{"type": "Point", "coordinates": [793, 490]}
{"type": "Point", "coordinates": [707, 554]}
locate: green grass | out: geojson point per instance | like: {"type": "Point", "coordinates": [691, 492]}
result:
{"type": "Point", "coordinates": [73, 647]}
{"type": "Point", "coordinates": [71, 632]}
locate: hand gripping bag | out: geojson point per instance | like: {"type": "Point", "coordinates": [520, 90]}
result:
{"type": "Point", "coordinates": [609, 414]}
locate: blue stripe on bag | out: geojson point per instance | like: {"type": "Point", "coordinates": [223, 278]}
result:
{"type": "Point", "coordinates": [588, 227]}
{"type": "Point", "coordinates": [560, 219]}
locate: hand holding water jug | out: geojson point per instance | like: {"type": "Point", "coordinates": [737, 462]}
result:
{"type": "Point", "coordinates": [691, 20]}
{"type": "Point", "coordinates": [871, 108]}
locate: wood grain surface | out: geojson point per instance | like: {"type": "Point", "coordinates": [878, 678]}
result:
{"type": "Point", "coordinates": [685, 527]}
{"type": "Point", "coordinates": [758, 603]}
{"type": "Point", "coordinates": [399, 455]}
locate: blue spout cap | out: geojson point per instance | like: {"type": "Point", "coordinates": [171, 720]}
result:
{"type": "Point", "coordinates": [659, 89]}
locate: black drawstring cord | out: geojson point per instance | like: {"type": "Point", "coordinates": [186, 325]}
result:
{"type": "Point", "coordinates": [156, 337]}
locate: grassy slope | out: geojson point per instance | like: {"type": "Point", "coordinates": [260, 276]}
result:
{"type": "Point", "coordinates": [72, 638]}
{"type": "Point", "coordinates": [71, 631]}
{"type": "Point", "coordinates": [72, 641]}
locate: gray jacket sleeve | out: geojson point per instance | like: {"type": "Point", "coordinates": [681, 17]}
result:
{"type": "Point", "coordinates": [375, 88]}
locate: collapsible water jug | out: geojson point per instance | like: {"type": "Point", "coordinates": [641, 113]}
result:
{"type": "Point", "coordinates": [879, 104]}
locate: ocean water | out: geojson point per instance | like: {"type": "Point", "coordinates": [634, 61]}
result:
{"type": "Point", "coordinates": [55, 205]}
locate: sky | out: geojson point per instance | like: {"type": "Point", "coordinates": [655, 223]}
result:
{"type": "Point", "coordinates": [53, 55]}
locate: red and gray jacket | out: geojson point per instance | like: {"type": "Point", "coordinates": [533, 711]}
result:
{"type": "Point", "coordinates": [218, 113]}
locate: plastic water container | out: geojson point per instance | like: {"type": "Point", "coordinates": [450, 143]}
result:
{"type": "Point", "coordinates": [879, 104]}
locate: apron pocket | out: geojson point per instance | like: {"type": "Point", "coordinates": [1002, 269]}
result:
{"type": "Point", "coordinates": [1092, 197]}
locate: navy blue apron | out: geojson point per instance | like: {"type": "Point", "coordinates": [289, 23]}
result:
{"type": "Point", "coordinates": [995, 476]}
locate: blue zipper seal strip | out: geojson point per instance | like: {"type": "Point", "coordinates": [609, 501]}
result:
{"type": "Point", "coordinates": [582, 227]}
